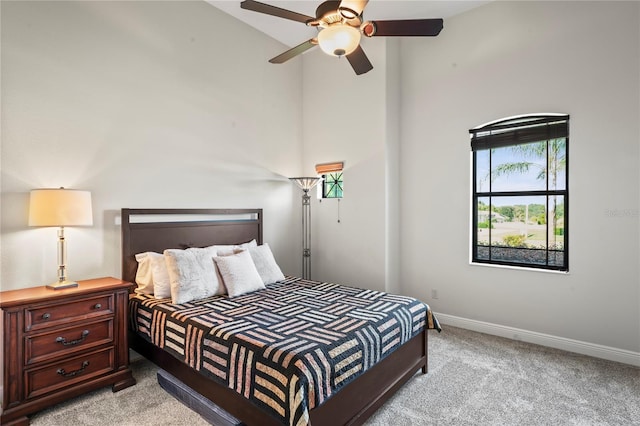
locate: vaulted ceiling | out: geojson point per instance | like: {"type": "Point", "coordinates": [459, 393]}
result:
{"type": "Point", "coordinates": [292, 33]}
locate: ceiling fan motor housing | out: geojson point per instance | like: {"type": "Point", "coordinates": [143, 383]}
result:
{"type": "Point", "coordinates": [328, 14]}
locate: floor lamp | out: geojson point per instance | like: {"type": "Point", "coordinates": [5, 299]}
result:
{"type": "Point", "coordinates": [60, 207]}
{"type": "Point", "coordinates": [306, 184]}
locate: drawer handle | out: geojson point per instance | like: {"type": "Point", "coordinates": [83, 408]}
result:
{"type": "Point", "coordinates": [46, 316]}
{"type": "Point", "coordinates": [63, 373]}
{"type": "Point", "coordinates": [97, 306]}
{"type": "Point", "coordinates": [83, 336]}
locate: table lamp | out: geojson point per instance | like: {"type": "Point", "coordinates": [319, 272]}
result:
{"type": "Point", "coordinates": [60, 207]}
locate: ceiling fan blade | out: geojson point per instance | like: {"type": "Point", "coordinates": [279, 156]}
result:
{"type": "Point", "coordinates": [408, 27]}
{"type": "Point", "coordinates": [359, 61]}
{"type": "Point", "coordinates": [274, 11]}
{"type": "Point", "coordinates": [350, 9]}
{"type": "Point", "coordinates": [295, 51]}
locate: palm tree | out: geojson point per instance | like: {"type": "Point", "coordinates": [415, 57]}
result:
{"type": "Point", "coordinates": [537, 151]}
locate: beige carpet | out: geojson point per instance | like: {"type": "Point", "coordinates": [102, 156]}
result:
{"type": "Point", "coordinates": [474, 379]}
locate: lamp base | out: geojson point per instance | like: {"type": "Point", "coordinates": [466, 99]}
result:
{"type": "Point", "coordinates": [59, 285]}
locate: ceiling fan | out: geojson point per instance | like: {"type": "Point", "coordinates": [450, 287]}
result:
{"type": "Point", "coordinates": [340, 26]}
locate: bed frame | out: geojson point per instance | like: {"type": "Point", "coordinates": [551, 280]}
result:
{"type": "Point", "coordinates": [158, 229]}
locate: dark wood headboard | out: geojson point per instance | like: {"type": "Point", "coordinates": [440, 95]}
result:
{"type": "Point", "coordinates": [160, 229]}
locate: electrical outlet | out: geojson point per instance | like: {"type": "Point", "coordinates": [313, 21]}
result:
{"type": "Point", "coordinates": [434, 293]}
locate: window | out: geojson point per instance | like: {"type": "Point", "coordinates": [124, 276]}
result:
{"type": "Point", "coordinates": [520, 192]}
{"type": "Point", "coordinates": [332, 183]}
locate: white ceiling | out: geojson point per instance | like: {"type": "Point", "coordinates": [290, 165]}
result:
{"type": "Point", "coordinates": [292, 33]}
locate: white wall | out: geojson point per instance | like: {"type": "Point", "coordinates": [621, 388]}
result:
{"type": "Point", "coordinates": [347, 118]}
{"type": "Point", "coordinates": [508, 58]}
{"type": "Point", "coordinates": [146, 104]}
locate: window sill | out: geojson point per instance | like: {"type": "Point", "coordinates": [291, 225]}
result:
{"type": "Point", "coordinates": [519, 268]}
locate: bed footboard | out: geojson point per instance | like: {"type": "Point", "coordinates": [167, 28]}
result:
{"type": "Point", "coordinates": [357, 401]}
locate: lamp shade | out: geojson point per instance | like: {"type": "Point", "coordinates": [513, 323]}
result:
{"type": "Point", "coordinates": [306, 183]}
{"type": "Point", "coordinates": [60, 207]}
{"type": "Point", "coordinates": [339, 39]}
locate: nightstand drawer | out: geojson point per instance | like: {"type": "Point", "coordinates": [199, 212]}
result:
{"type": "Point", "coordinates": [54, 314]}
{"type": "Point", "coordinates": [62, 342]}
{"type": "Point", "coordinates": [69, 372]}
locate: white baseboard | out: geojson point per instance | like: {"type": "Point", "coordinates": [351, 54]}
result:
{"type": "Point", "coordinates": [577, 346]}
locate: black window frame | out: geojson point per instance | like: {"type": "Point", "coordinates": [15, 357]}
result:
{"type": "Point", "coordinates": [511, 132]}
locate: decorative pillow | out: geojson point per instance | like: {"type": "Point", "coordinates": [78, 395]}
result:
{"type": "Point", "coordinates": [152, 276]}
{"type": "Point", "coordinates": [161, 283]}
{"type": "Point", "coordinates": [192, 274]}
{"type": "Point", "coordinates": [239, 273]}
{"type": "Point", "coordinates": [252, 243]}
{"type": "Point", "coordinates": [266, 264]}
{"type": "Point", "coordinates": [226, 250]}
{"type": "Point", "coordinates": [144, 279]}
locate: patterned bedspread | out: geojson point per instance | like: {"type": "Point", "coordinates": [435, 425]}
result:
{"type": "Point", "coordinates": [287, 348]}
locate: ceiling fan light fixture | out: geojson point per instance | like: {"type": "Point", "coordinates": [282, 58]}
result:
{"type": "Point", "coordinates": [339, 39]}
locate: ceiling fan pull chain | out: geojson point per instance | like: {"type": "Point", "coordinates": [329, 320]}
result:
{"type": "Point", "coordinates": [338, 210]}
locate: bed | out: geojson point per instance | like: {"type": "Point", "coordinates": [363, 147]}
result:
{"type": "Point", "coordinates": [360, 383]}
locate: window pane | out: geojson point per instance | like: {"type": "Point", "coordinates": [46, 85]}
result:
{"type": "Point", "coordinates": [557, 164]}
{"type": "Point", "coordinates": [556, 230]}
{"type": "Point", "coordinates": [516, 230]}
{"type": "Point", "coordinates": [483, 230]}
{"type": "Point", "coordinates": [519, 168]}
{"type": "Point", "coordinates": [482, 170]}
{"type": "Point", "coordinates": [521, 217]}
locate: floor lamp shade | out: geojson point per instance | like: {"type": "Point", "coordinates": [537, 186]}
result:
{"type": "Point", "coordinates": [305, 183]}
{"type": "Point", "coordinates": [60, 207]}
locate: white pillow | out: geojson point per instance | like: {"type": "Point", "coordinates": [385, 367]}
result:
{"type": "Point", "coordinates": [152, 276]}
{"type": "Point", "coordinates": [161, 282]}
{"type": "Point", "coordinates": [226, 250]}
{"type": "Point", "coordinates": [239, 273]}
{"type": "Point", "coordinates": [252, 243]}
{"type": "Point", "coordinates": [266, 264]}
{"type": "Point", "coordinates": [192, 274]}
{"type": "Point", "coordinates": [144, 279]}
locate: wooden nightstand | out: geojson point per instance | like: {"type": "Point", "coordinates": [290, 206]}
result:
{"type": "Point", "coordinates": [58, 344]}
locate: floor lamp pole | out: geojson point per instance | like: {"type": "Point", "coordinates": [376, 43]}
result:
{"type": "Point", "coordinates": [306, 184]}
{"type": "Point", "coordinates": [306, 235]}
